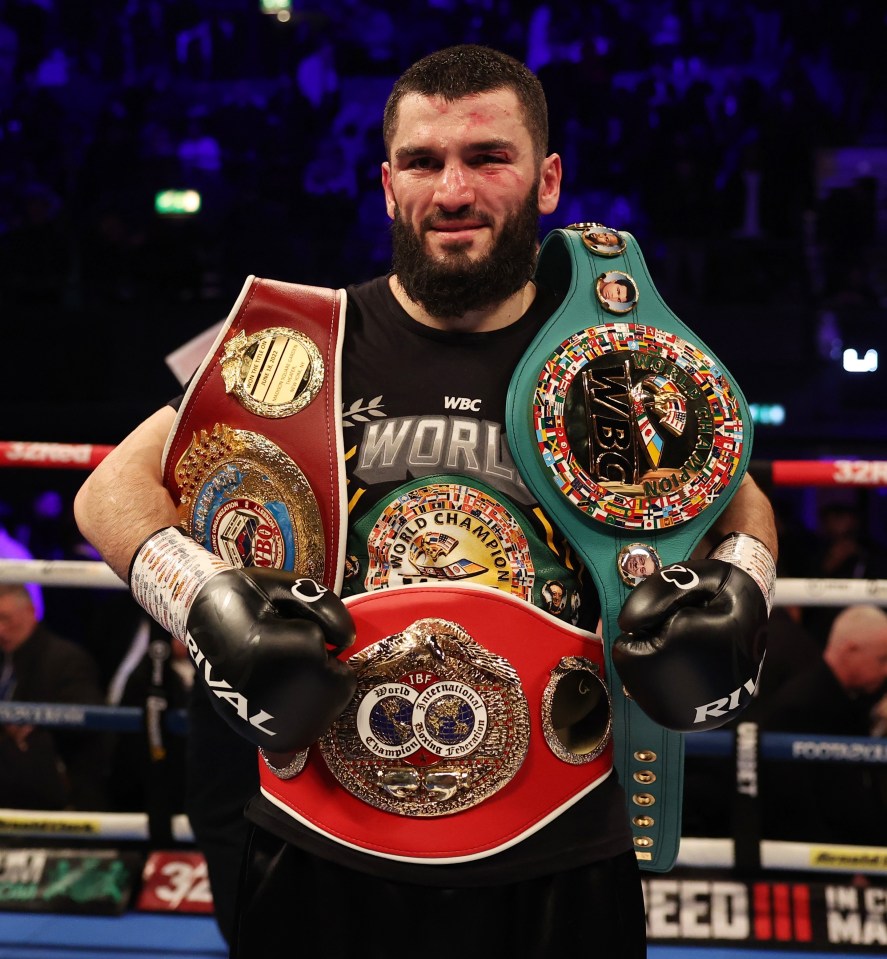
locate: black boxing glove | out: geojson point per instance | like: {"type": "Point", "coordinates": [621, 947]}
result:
{"type": "Point", "coordinates": [694, 635]}
{"type": "Point", "coordinates": [264, 642]}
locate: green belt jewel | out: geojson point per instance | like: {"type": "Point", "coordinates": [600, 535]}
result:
{"type": "Point", "coordinates": [633, 437]}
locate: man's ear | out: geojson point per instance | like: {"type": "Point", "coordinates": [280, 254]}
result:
{"type": "Point", "coordinates": [550, 175]}
{"type": "Point", "coordinates": [390, 202]}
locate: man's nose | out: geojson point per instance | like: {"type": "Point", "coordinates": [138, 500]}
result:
{"type": "Point", "coordinates": [454, 188]}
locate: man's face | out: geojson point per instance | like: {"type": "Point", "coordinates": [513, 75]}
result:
{"type": "Point", "coordinates": [604, 239]}
{"type": "Point", "coordinates": [868, 668]}
{"type": "Point", "coordinates": [614, 292]}
{"type": "Point", "coordinates": [17, 622]}
{"type": "Point", "coordinates": [639, 566]}
{"type": "Point", "coordinates": [465, 191]}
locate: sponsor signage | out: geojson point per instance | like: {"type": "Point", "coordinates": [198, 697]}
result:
{"type": "Point", "coordinates": [175, 882]}
{"type": "Point", "coordinates": [848, 915]}
{"type": "Point", "coordinates": [67, 881]}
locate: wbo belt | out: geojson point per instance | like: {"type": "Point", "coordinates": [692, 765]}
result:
{"type": "Point", "coordinates": [269, 390]}
{"type": "Point", "coordinates": [634, 438]}
{"type": "Point", "coordinates": [477, 719]}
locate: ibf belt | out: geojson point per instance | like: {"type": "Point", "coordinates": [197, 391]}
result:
{"type": "Point", "coordinates": [477, 719]}
{"type": "Point", "coordinates": [255, 460]}
{"type": "Point", "coordinates": [633, 437]}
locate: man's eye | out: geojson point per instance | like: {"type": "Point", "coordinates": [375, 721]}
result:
{"type": "Point", "coordinates": [483, 158]}
{"type": "Point", "coordinates": [422, 163]}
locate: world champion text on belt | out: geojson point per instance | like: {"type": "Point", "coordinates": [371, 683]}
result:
{"type": "Point", "coordinates": [448, 532]}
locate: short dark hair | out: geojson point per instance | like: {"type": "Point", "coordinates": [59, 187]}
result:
{"type": "Point", "coordinates": [456, 72]}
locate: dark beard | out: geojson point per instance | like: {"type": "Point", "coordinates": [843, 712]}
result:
{"type": "Point", "coordinates": [457, 285]}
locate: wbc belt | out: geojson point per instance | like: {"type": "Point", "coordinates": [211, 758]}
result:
{"type": "Point", "coordinates": [255, 460]}
{"type": "Point", "coordinates": [633, 437]}
{"type": "Point", "coordinates": [477, 719]}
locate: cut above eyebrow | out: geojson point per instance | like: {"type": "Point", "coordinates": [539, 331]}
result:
{"type": "Point", "coordinates": [483, 146]}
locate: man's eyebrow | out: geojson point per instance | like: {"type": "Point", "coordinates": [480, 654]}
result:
{"type": "Point", "coordinates": [405, 152]}
{"type": "Point", "coordinates": [482, 146]}
{"type": "Point", "coordinates": [490, 146]}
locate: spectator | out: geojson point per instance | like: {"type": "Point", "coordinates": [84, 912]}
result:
{"type": "Point", "coordinates": [13, 548]}
{"type": "Point", "coordinates": [833, 696]}
{"type": "Point", "coordinates": [845, 551]}
{"type": "Point", "coordinates": [148, 769]}
{"type": "Point", "coordinates": [42, 768]}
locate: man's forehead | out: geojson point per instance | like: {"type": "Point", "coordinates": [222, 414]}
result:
{"type": "Point", "coordinates": [420, 115]}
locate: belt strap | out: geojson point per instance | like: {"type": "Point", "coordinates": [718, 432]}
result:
{"type": "Point", "coordinates": [255, 459]}
{"type": "Point", "coordinates": [633, 437]}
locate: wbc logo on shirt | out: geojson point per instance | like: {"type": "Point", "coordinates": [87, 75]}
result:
{"type": "Point", "coordinates": [462, 403]}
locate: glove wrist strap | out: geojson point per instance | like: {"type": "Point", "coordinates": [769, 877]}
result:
{"type": "Point", "coordinates": [167, 573]}
{"type": "Point", "coordinates": [749, 553]}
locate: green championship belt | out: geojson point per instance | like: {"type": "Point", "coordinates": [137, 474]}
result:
{"type": "Point", "coordinates": [633, 437]}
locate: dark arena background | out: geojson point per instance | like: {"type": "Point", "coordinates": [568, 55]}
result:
{"type": "Point", "coordinates": [153, 153]}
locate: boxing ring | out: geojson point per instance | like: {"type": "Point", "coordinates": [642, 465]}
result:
{"type": "Point", "coordinates": [727, 897]}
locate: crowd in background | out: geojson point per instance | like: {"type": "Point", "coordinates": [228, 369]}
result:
{"type": "Point", "coordinates": [745, 145]}
{"type": "Point", "coordinates": [696, 121]}
{"type": "Point", "coordinates": [704, 126]}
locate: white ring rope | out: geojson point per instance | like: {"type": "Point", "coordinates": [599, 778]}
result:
{"type": "Point", "coordinates": [830, 592]}
{"type": "Point", "coordinates": [694, 853]}
{"type": "Point", "coordinates": [84, 573]}
{"type": "Point", "coordinates": [86, 825]}
{"type": "Point", "coordinates": [780, 854]}
{"type": "Point", "coordinates": [97, 575]}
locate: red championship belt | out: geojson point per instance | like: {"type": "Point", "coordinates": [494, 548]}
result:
{"type": "Point", "coordinates": [478, 718]}
{"type": "Point", "coordinates": [255, 461]}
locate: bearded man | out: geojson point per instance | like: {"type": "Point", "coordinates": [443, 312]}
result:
{"type": "Point", "coordinates": [427, 355]}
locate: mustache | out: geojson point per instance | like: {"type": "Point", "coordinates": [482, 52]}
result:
{"type": "Point", "coordinates": [443, 217]}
